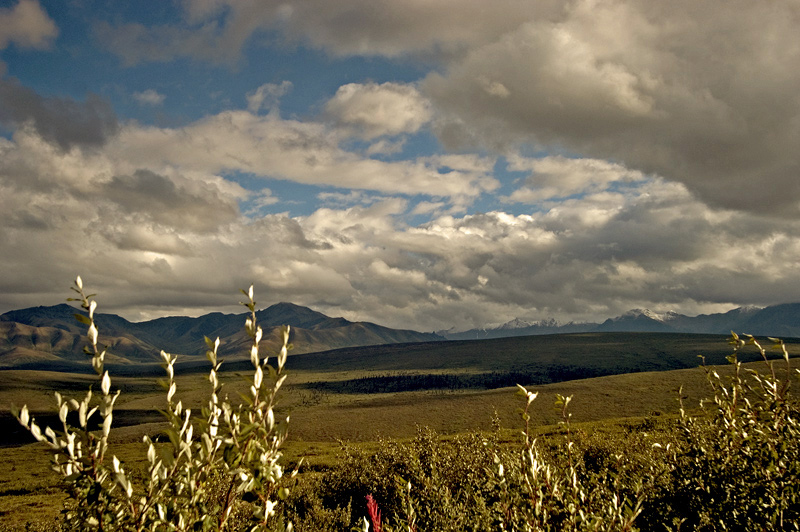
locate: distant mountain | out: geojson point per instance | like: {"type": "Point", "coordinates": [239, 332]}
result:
{"type": "Point", "coordinates": [638, 320]}
{"type": "Point", "coordinates": [780, 320]}
{"type": "Point", "coordinates": [51, 336]}
{"type": "Point", "coordinates": [733, 320]}
{"type": "Point", "coordinates": [519, 327]}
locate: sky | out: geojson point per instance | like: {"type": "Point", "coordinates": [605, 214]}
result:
{"type": "Point", "coordinates": [423, 164]}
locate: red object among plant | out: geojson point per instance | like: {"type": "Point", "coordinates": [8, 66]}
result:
{"type": "Point", "coordinates": [374, 513]}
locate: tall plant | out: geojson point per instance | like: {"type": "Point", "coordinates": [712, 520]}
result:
{"type": "Point", "coordinates": [223, 458]}
{"type": "Point", "coordinates": [737, 464]}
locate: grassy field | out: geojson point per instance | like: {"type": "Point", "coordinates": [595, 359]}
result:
{"type": "Point", "coordinates": [361, 395]}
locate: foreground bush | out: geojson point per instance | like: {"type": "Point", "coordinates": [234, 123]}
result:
{"type": "Point", "coordinates": [737, 466]}
{"type": "Point", "coordinates": [733, 465]}
{"type": "Point", "coordinates": [221, 466]}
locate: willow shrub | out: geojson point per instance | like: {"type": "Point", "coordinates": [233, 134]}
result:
{"type": "Point", "coordinates": [735, 466]}
{"type": "Point", "coordinates": [220, 470]}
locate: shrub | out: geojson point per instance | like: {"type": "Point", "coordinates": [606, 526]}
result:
{"type": "Point", "coordinates": [736, 466]}
{"type": "Point", "coordinates": [476, 482]}
{"type": "Point", "coordinates": [538, 493]}
{"type": "Point", "coordinates": [220, 466]}
{"type": "Point", "coordinates": [430, 483]}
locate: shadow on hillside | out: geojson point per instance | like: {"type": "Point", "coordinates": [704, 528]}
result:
{"type": "Point", "coordinates": [13, 434]}
{"type": "Point", "coordinates": [454, 381]}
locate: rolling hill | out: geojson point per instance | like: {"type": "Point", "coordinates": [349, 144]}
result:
{"type": "Point", "coordinates": [51, 337]}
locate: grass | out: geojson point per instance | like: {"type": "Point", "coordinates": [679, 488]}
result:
{"type": "Point", "coordinates": [326, 400]}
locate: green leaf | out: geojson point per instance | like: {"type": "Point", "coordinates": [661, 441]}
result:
{"type": "Point", "coordinates": [83, 319]}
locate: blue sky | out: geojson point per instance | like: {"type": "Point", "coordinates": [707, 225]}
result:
{"type": "Point", "coordinates": [418, 164]}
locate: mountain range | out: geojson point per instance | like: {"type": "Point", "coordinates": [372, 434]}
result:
{"type": "Point", "coordinates": [780, 320]}
{"type": "Point", "coordinates": [51, 337]}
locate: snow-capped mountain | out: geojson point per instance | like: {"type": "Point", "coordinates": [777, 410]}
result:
{"type": "Point", "coordinates": [516, 323]}
{"type": "Point", "coordinates": [778, 320]}
{"type": "Point", "coordinates": [639, 320]}
{"type": "Point", "coordinates": [519, 327]}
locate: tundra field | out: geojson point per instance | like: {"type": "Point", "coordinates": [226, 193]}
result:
{"type": "Point", "coordinates": [356, 398]}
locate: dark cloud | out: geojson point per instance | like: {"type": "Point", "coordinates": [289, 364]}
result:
{"type": "Point", "coordinates": [704, 93]}
{"type": "Point", "coordinates": [288, 232]}
{"type": "Point", "coordinates": [61, 121]}
{"type": "Point", "coordinates": [192, 206]}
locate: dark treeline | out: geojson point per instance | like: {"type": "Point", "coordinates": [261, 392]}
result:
{"type": "Point", "coordinates": [458, 381]}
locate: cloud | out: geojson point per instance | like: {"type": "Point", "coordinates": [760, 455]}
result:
{"type": "Point", "coordinates": [62, 121]}
{"type": "Point", "coordinates": [668, 129]}
{"type": "Point", "coordinates": [190, 205]}
{"type": "Point", "coordinates": [341, 199]}
{"type": "Point", "coordinates": [259, 200]}
{"type": "Point", "coordinates": [135, 43]}
{"type": "Point", "coordinates": [267, 96]}
{"type": "Point", "coordinates": [165, 240]}
{"type": "Point", "coordinates": [697, 93]}
{"type": "Point", "coordinates": [553, 177]}
{"type": "Point", "coordinates": [218, 30]}
{"type": "Point", "coordinates": [129, 237]}
{"type": "Point", "coordinates": [26, 25]}
{"type": "Point", "coordinates": [149, 97]}
{"type": "Point", "coordinates": [386, 147]}
{"type": "Point", "coordinates": [379, 110]}
{"type": "Point", "coordinates": [304, 152]}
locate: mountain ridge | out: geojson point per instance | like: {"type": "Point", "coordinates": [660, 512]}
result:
{"type": "Point", "coordinates": [777, 320]}
{"type": "Point", "coordinates": [41, 336]}
{"type": "Point", "coordinates": [51, 336]}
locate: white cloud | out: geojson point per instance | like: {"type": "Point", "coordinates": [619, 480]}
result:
{"type": "Point", "coordinates": [555, 176]}
{"type": "Point", "coordinates": [27, 25]}
{"type": "Point", "coordinates": [137, 235]}
{"type": "Point", "coordinates": [149, 97]}
{"type": "Point", "coordinates": [386, 147]}
{"type": "Point", "coordinates": [378, 110]}
{"type": "Point", "coordinates": [305, 152]}
{"type": "Point", "coordinates": [259, 200]}
{"type": "Point", "coordinates": [267, 96]}
{"type": "Point", "coordinates": [428, 207]}
{"type": "Point", "coordinates": [700, 93]}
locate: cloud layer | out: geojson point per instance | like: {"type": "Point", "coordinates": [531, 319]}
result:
{"type": "Point", "coordinates": [570, 160]}
{"type": "Point", "coordinates": [701, 93]}
{"type": "Point", "coordinates": [614, 240]}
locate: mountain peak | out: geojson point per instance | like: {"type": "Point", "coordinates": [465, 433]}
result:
{"type": "Point", "coordinates": [285, 313]}
{"type": "Point", "coordinates": [647, 313]}
{"type": "Point", "coordinates": [59, 311]}
{"type": "Point", "coordinates": [516, 323]}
